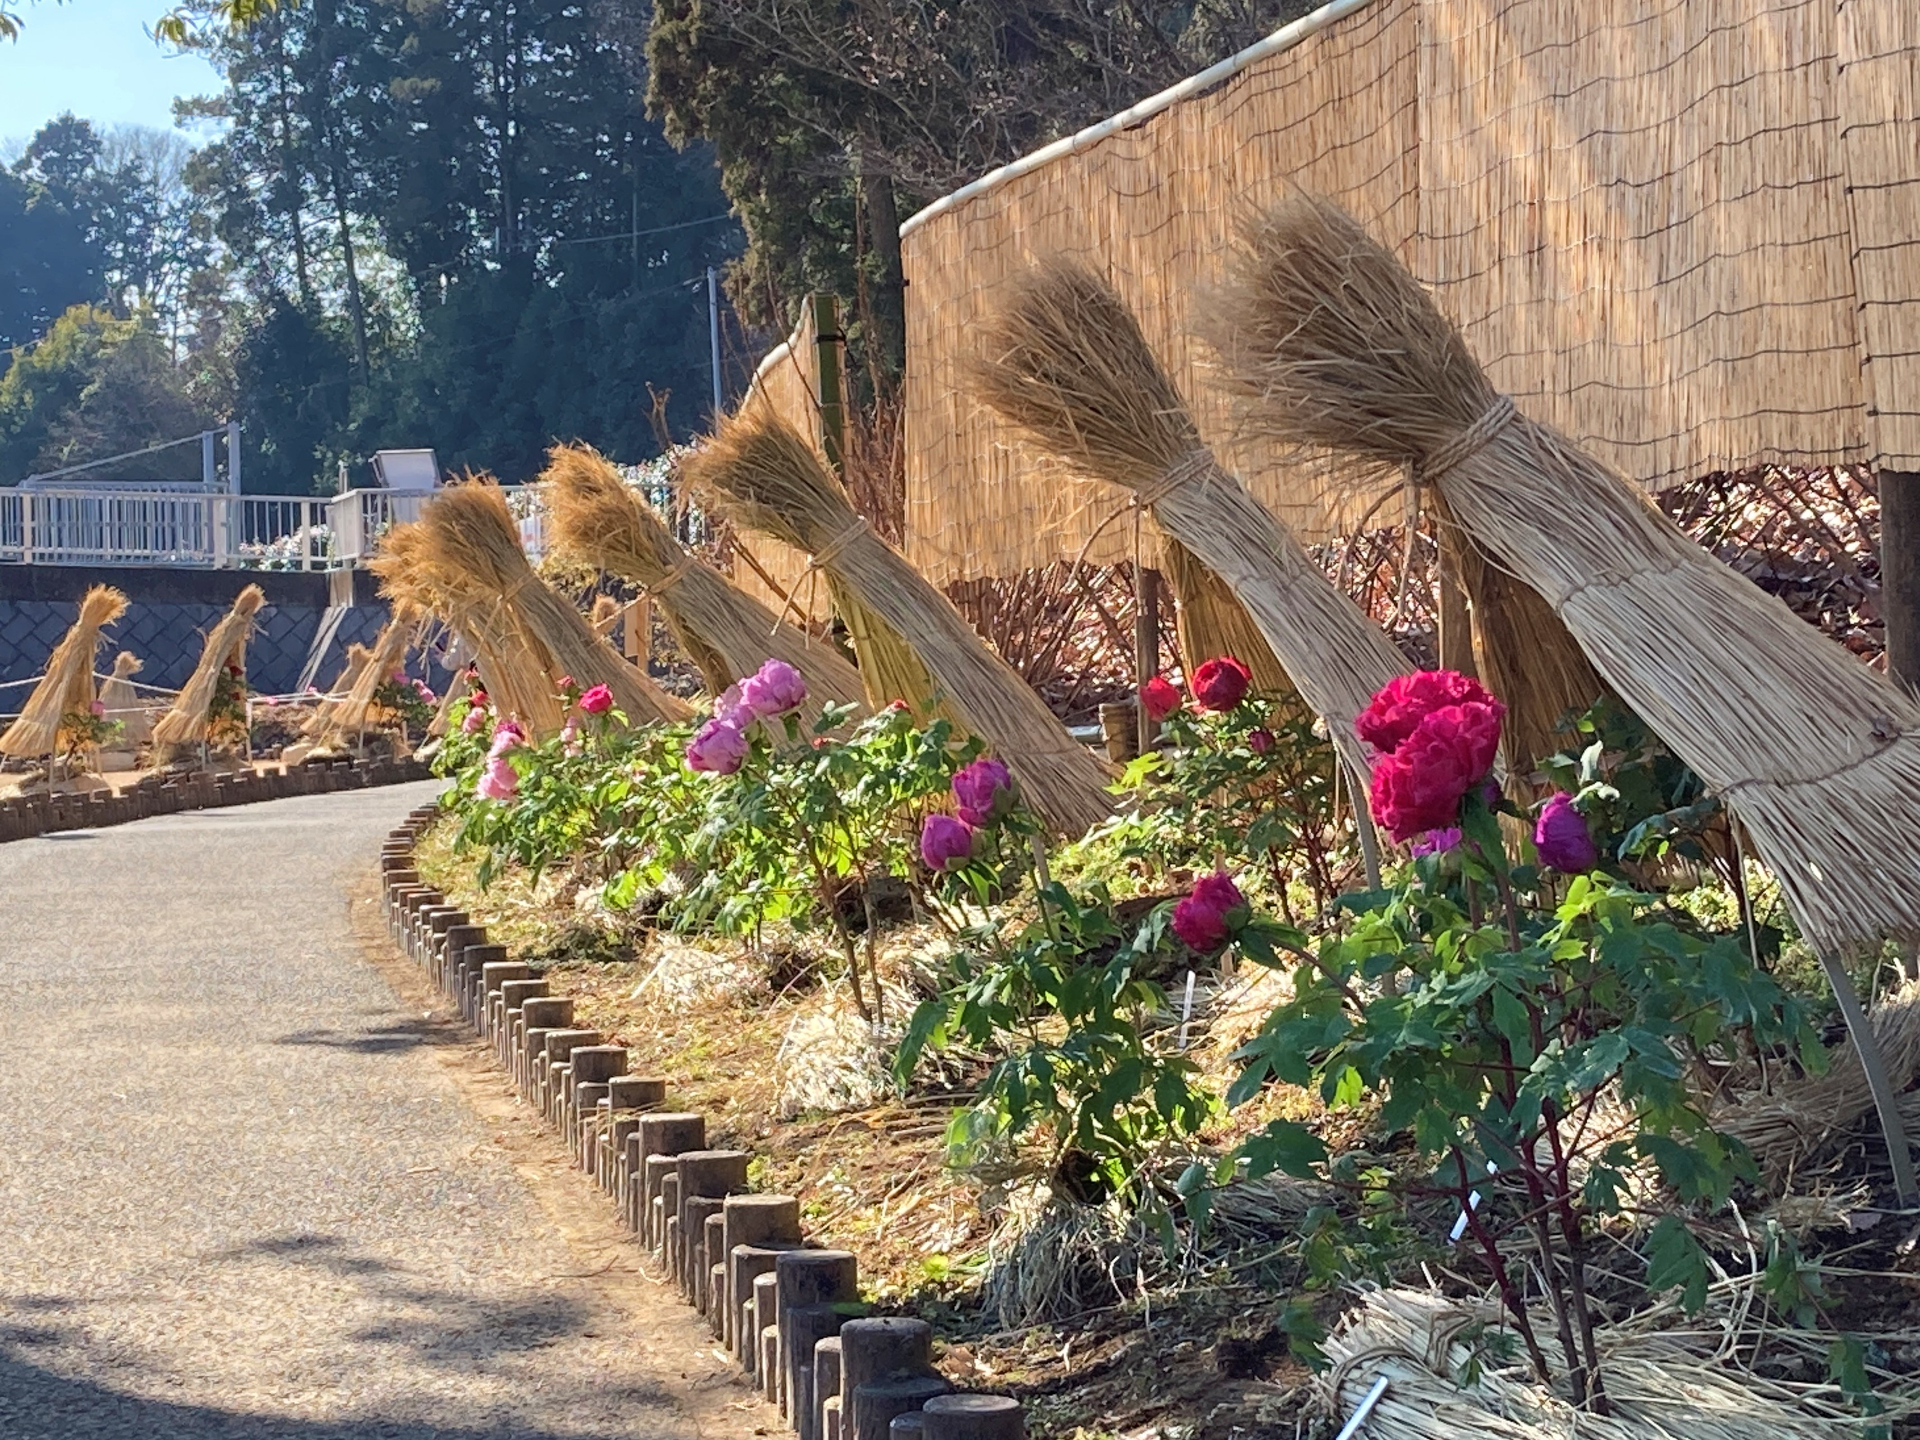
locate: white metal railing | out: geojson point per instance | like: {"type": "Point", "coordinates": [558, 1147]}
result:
{"type": "Point", "coordinates": [214, 530]}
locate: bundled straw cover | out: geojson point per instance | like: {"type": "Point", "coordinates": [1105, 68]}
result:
{"type": "Point", "coordinates": [1066, 361]}
{"type": "Point", "coordinates": [1212, 621]}
{"type": "Point", "coordinates": [469, 528]}
{"type": "Point", "coordinates": [123, 701]}
{"type": "Point", "coordinates": [598, 518]}
{"type": "Point", "coordinates": [186, 722]}
{"type": "Point", "coordinates": [763, 470]}
{"type": "Point", "coordinates": [68, 684]}
{"type": "Point", "coordinates": [1332, 344]}
{"type": "Point", "coordinates": [347, 720]}
{"type": "Point", "coordinates": [414, 572]}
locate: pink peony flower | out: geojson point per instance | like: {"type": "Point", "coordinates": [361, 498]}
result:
{"type": "Point", "coordinates": [1405, 700]}
{"type": "Point", "coordinates": [945, 843]}
{"type": "Point", "coordinates": [772, 690]}
{"type": "Point", "coordinates": [474, 721]}
{"type": "Point", "coordinates": [728, 703]}
{"type": "Point", "coordinates": [98, 708]}
{"type": "Point", "coordinates": [719, 748]}
{"type": "Point", "coordinates": [499, 781]}
{"type": "Point", "coordinates": [1208, 917]}
{"type": "Point", "coordinates": [597, 701]}
{"type": "Point", "coordinates": [982, 791]}
{"type": "Point", "coordinates": [1160, 698]}
{"type": "Point", "coordinates": [399, 677]}
{"type": "Point", "coordinates": [565, 683]}
{"type": "Point", "coordinates": [1562, 837]}
{"type": "Point", "coordinates": [570, 737]}
{"type": "Point", "coordinates": [1221, 684]}
{"type": "Point", "coordinates": [506, 735]}
{"type": "Point", "coordinates": [1260, 740]}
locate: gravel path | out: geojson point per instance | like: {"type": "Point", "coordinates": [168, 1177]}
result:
{"type": "Point", "coordinates": [247, 1192]}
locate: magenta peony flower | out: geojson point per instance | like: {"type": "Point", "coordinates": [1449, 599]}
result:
{"type": "Point", "coordinates": [945, 843]}
{"type": "Point", "coordinates": [982, 791]}
{"type": "Point", "coordinates": [1260, 740]}
{"type": "Point", "coordinates": [728, 704]}
{"type": "Point", "coordinates": [772, 690]}
{"type": "Point", "coordinates": [506, 735]}
{"type": "Point", "coordinates": [719, 748]}
{"type": "Point", "coordinates": [399, 677]}
{"type": "Point", "coordinates": [1160, 698]}
{"type": "Point", "coordinates": [98, 708]}
{"type": "Point", "coordinates": [1221, 684]}
{"type": "Point", "coordinates": [1437, 842]}
{"type": "Point", "coordinates": [1403, 702]}
{"type": "Point", "coordinates": [597, 701]}
{"type": "Point", "coordinates": [1208, 917]}
{"type": "Point", "coordinates": [1562, 837]}
{"type": "Point", "coordinates": [499, 781]}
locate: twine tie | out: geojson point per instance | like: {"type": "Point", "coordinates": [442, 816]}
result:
{"type": "Point", "coordinates": [672, 578]}
{"type": "Point", "coordinates": [1196, 464]}
{"type": "Point", "coordinates": [1460, 448]}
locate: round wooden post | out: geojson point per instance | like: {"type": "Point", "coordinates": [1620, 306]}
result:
{"type": "Point", "coordinates": [974, 1417]}
{"type": "Point", "coordinates": [878, 1402]}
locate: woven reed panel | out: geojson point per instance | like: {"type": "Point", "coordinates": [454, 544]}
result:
{"type": "Point", "coordinates": [787, 383]}
{"type": "Point", "coordinates": [1638, 214]}
{"type": "Point", "coordinates": [1152, 208]}
{"type": "Point", "coordinates": [1879, 101]}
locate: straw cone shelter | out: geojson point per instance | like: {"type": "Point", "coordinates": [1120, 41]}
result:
{"type": "Point", "coordinates": [321, 720]}
{"type": "Point", "coordinates": [1330, 344]}
{"type": "Point", "coordinates": [226, 645]}
{"type": "Point", "coordinates": [512, 672]}
{"type": "Point", "coordinates": [471, 539]}
{"type": "Point", "coordinates": [598, 518]}
{"type": "Point", "coordinates": [762, 470]}
{"type": "Point", "coordinates": [346, 721]}
{"type": "Point", "coordinates": [1212, 621]}
{"type": "Point", "coordinates": [1065, 360]}
{"type": "Point", "coordinates": [68, 684]}
{"type": "Point", "coordinates": [123, 701]}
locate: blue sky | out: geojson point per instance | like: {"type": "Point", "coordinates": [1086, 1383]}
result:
{"type": "Point", "coordinates": [92, 57]}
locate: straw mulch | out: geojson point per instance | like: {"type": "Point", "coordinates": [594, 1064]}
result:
{"type": "Point", "coordinates": [226, 645]}
{"type": "Point", "coordinates": [1662, 1384]}
{"type": "Point", "coordinates": [597, 517]}
{"type": "Point", "coordinates": [514, 672]}
{"type": "Point", "coordinates": [68, 684]}
{"type": "Point", "coordinates": [469, 529]}
{"type": "Point", "coordinates": [1332, 345]}
{"type": "Point", "coordinates": [1065, 360]}
{"type": "Point", "coordinates": [123, 701]}
{"type": "Point", "coordinates": [763, 471]}
{"type": "Point", "coordinates": [1794, 1119]}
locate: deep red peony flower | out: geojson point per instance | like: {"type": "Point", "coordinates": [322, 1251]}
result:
{"type": "Point", "coordinates": [1221, 684]}
{"type": "Point", "coordinates": [1207, 918]}
{"type": "Point", "coordinates": [1403, 702]}
{"type": "Point", "coordinates": [1260, 740]}
{"type": "Point", "coordinates": [1419, 785]}
{"type": "Point", "coordinates": [1160, 698]}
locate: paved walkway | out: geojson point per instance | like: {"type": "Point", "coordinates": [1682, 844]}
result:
{"type": "Point", "coordinates": [245, 1193]}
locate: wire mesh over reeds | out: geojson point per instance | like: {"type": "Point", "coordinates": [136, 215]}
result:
{"type": "Point", "coordinates": [469, 530]}
{"type": "Point", "coordinates": [226, 645]}
{"type": "Point", "coordinates": [1331, 344]}
{"type": "Point", "coordinates": [1065, 360]}
{"type": "Point", "coordinates": [68, 684]}
{"type": "Point", "coordinates": [123, 701]}
{"type": "Point", "coordinates": [597, 517]}
{"type": "Point", "coordinates": [763, 471]}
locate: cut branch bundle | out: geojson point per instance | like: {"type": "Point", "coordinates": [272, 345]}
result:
{"type": "Point", "coordinates": [68, 684]}
{"type": "Point", "coordinates": [226, 647]}
{"type": "Point", "coordinates": [763, 471]}
{"type": "Point", "coordinates": [598, 518]}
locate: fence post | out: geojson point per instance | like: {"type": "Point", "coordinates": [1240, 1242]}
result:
{"type": "Point", "coordinates": [827, 341]}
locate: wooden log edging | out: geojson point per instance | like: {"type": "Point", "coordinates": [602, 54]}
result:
{"type": "Point", "coordinates": [26, 817]}
{"type": "Point", "coordinates": [786, 1308]}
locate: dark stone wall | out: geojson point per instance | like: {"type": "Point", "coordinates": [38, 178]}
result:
{"type": "Point", "coordinates": [170, 612]}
